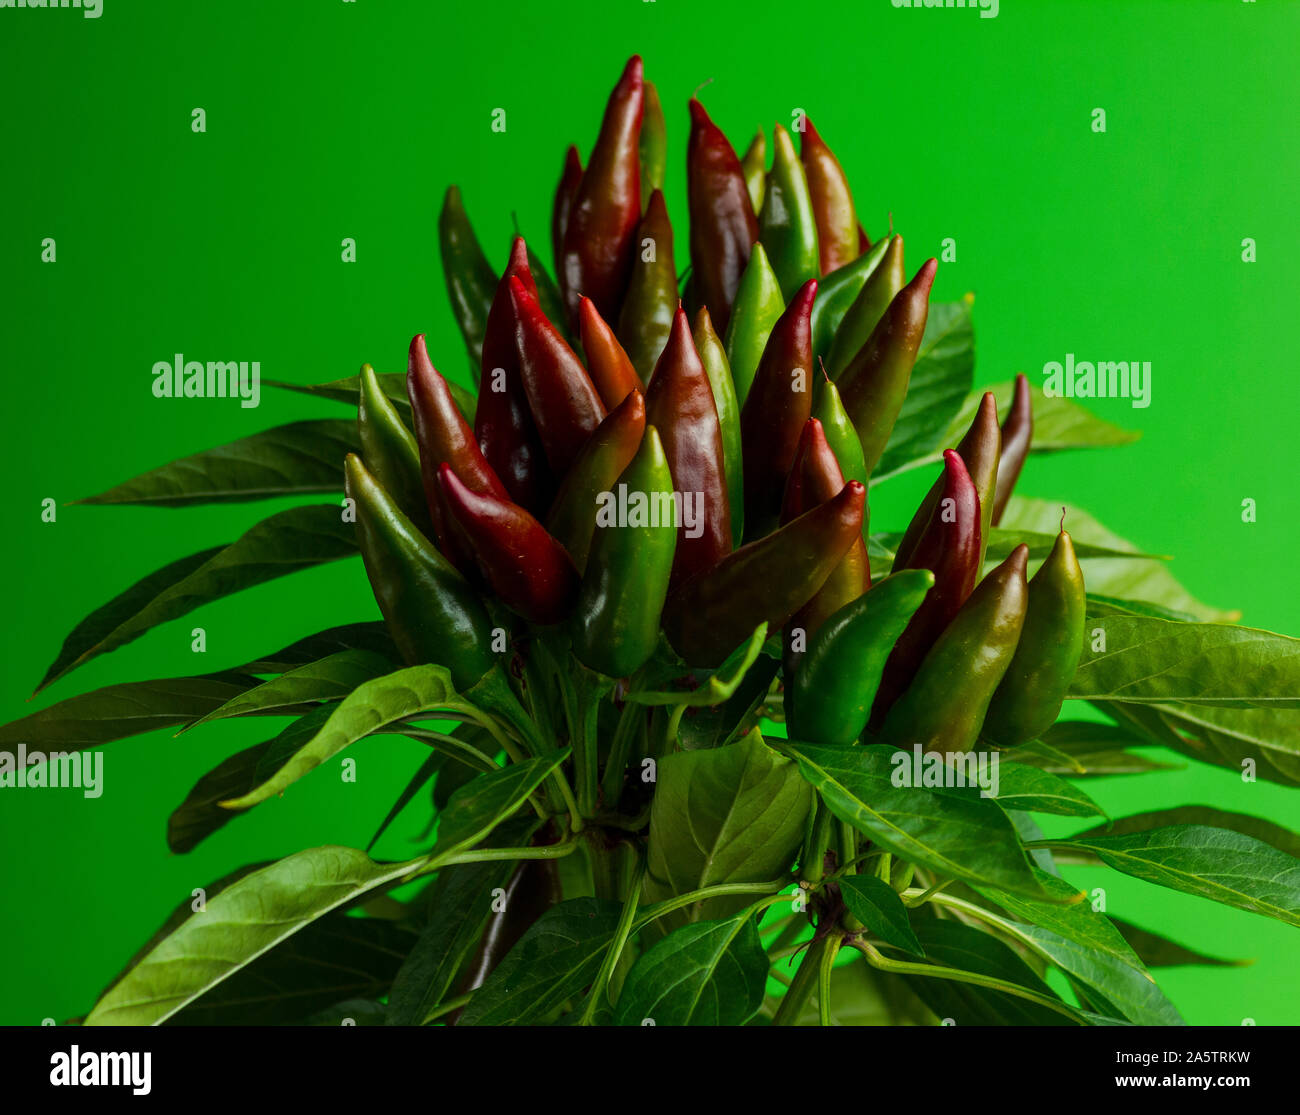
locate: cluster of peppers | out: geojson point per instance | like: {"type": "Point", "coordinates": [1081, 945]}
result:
{"type": "Point", "coordinates": [730, 430]}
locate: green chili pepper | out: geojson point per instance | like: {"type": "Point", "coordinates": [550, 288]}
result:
{"type": "Point", "coordinates": [754, 165]}
{"type": "Point", "coordinates": [390, 449]}
{"type": "Point", "coordinates": [607, 364]}
{"type": "Point", "coordinates": [431, 611]}
{"type": "Point", "coordinates": [943, 708]}
{"type": "Point", "coordinates": [873, 299]}
{"type": "Point", "coordinates": [834, 685]}
{"type": "Point", "coordinates": [836, 293]}
{"type": "Point", "coordinates": [1029, 699]}
{"type": "Point", "coordinates": [787, 228]}
{"type": "Point", "coordinates": [646, 317]}
{"type": "Point", "coordinates": [615, 626]}
{"type": "Point", "coordinates": [839, 431]}
{"type": "Point", "coordinates": [1017, 432]}
{"type": "Point", "coordinates": [653, 144]}
{"type": "Point", "coordinates": [832, 202]}
{"type": "Point", "coordinates": [471, 281]}
{"type": "Point", "coordinates": [714, 358]}
{"type": "Point", "coordinates": [758, 307]}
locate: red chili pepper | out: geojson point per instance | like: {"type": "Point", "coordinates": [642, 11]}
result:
{"type": "Point", "coordinates": [527, 569]}
{"type": "Point", "coordinates": [600, 235]}
{"type": "Point", "coordinates": [679, 402]}
{"type": "Point", "coordinates": [502, 423]}
{"type": "Point", "coordinates": [723, 225]}
{"type": "Point", "coordinates": [607, 364]}
{"type": "Point", "coordinates": [561, 397]}
{"type": "Point", "coordinates": [777, 406]}
{"type": "Point", "coordinates": [832, 202]}
{"type": "Point", "coordinates": [566, 191]}
{"type": "Point", "coordinates": [1017, 432]}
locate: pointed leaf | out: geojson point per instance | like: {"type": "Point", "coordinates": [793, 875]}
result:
{"type": "Point", "coordinates": [1038, 791]}
{"type": "Point", "coordinates": [1160, 952]}
{"type": "Point", "coordinates": [372, 636]}
{"type": "Point", "coordinates": [721, 684]}
{"type": "Point", "coordinates": [393, 385]}
{"type": "Point", "coordinates": [877, 905]}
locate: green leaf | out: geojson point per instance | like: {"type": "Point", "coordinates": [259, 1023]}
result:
{"type": "Point", "coordinates": [710, 973]}
{"type": "Point", "coordinates": [558, 955]}
{"type": "Point", "coordinates": [1093, 748]}
{"type": "Point", "coordinates": [1160, 952]}
{"type": "Point", "coordinates": [863, 996]}
{"type": "Point", "coordinates": [1038, 791]}
{"type": "Point", "coordinates": [1099, 605]}
{"type": "Point", "coordinates": [877, 905]}
{"type": "Point", "coordinates": [951, 830]}
{"type": "Point", "coordinates": [393, 385]}
{"type": "Point", "coordinates": [730, 815]}
{"type": "Point", "coordinates": [298, 538]}
{"type": "Point", "coordinates": [372, 636]}
{"type": "Point", "coordinates": [1283, 839]}
{"type": "Point", "coordinates": [243, 922]}
{"type": "Point", "coordinates": [298, 459]}
{"type": "Point", "coordinates": [721, 724]}
{"type": "Point", "coordinates": [720, 686]}
{"type": "Point", "coordinates": [1156, 661]}
{"type": "Point", "coordinates": [1214, 863]}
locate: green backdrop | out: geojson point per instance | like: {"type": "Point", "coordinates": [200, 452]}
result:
{"type": "Point", "coordinates": [348, 119]}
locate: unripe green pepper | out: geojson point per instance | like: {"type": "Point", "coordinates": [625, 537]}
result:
{"type": "Point", "coordinates": [390, 449]}
{"type": "Point", "coordinates": [653, 144]}
{"type": "Point", "coordinates": [754, 165]}
{"type": "Point", "coordinates": [714, 358]}
{"type": "Point", "coordinates": [758, 307]}
{"type": "Point", "coordinates": [840, 434]}
{"type": "Point", "coordinates": [787, 226]}
{"type": "Point", "coordinates": [863, 315]}
{"type": "Point", "coordinates": [837, 292]}
{"type": "Point", "coordinates": [646, 317]}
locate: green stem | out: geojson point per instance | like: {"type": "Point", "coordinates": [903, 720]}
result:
{"type": "Point", "coordinates": [805, 980]}
{"type": "Point", "coordinates": [848, 849]}
{"type": "Point", "coordinates": [920, 897]}
{"type": "Point", "coordinates": [630, 720]}
{"type": "Point", "coordinates": [814, 863]}
{"type": "Point", "coordinates": [447, 1007]}
{"type": "Point", "coordinates": [824, 980]}
{"type": "Point", "coordinates": [621, 933]}
{"type": "Point", "coordinates": [481, 855]}
{"type": "Point", "coordinates": [668, 905]}
{"type": "Point", "coordinates": [606, 869]}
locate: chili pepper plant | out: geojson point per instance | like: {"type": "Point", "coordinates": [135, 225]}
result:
{"type": "Point", "coordinates": [704, 745]}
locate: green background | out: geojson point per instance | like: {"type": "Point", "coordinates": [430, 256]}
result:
{"type": "Point", "coordinates": [330, 120]}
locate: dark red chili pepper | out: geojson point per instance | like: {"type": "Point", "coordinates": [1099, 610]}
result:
{"type": "Point", "coordinates": [1017, 433]}
{"type": "Point", "coordinates": [527, 569]}
{"type": "Point", "coordinates": [566, 190]}
{"type": "Point", "coordinates": [599, 237]}
{"type": "Point", "coordinates": [723, 225]}
{"type": "Point", "coordinates": [777, 406]}
{"type": "Point", "coordinates": [679, 402]}
{"type": "Point", "coordinates": [607, 364]}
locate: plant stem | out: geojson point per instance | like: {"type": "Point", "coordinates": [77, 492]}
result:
{"type": "Point", "coordinates": [824, 980]}
{"type": "Point", "coordinates": [615, 950]}
{"type": "Point", "coordinates": [920, 897]}
{"type": "Point", "coordinates": [630, 720]}
{"type": "Point", "coordinates": [668, 905]}
{"type": "Point", "coordinates": [805, 980]}
{"type": "Point", "coordinates": [480, 855]}
{"type": "Point", "coordinates": [814, 864]}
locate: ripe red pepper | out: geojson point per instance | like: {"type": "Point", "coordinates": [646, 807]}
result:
{"type": "Point", "coordinates": [679, 402]}
{"type": "Point", "coordinates": [723, 225]}
{"type": "Point", "coordinates": [777, 406]}
{"type": "Point", "coordinates": [527, 569]}
{"type": "Point", "coordinates": [600, 235]}
{"type": "Point", "coordinates": [566, 191]}
{"type": "Point", "coordinates": [1017, 433]}
{"type": "Point", "coordinates": [607, 364]}
{"type": "Point", "coordinates": [832, 202]}
{"type": "Point", "coordinates": [563, 401]}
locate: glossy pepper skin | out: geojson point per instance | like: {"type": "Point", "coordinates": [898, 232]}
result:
{"type": "Point", "coordinates": [768, 580]}
{"type": "Point", "coordinates": [608, 365]}
{"type": "Point", "coordinates": [723, 225]}
{"type": "Point", "coordinates": [566, 190]}
{"type": "Point", "coordinates": [650, 304]}
{"type": "Point", "coordinates": [758, 308]}
{"type": "Point", "coordinates": [390, 449]}
{"type": "Point", "coordinates": [471, 281]}
{"type": "Point", "coordinates": [599, 234]}
{"type": "Point", "coordinates": [502, 422]}
{"type": "Point", "coordinates": [1017, 433]}
{"type": "Point", "coordinates": [526, 568]}
{"type": "Point", "coordinates": [1028, 700]}
{"type": "Point", "coordinates": [874, 385]}
{"type": "Point", "coordinates": [787, 227]}
{"type": "Point", "coordinates": [831, 692]}
{"type": "Point", "coordinates": [839, 431]}
{"type": "Point", "coordinates": [563, 401]}
{"type": "Point", "coordinates": [775, 410]}
{"type": "Point", "coordinates": [837, 292]}
{"type": "Point", "coordinates": [944, 706]}
{"type": "Point", "coordinates": [832, 202]}
{"type": "Point", "coordinates": [615, 625]}
{"type": "Point", "coordinates": [431, 611]}
{"type": "Point", "coordinates": [652, 144]}
{"type": "Point", "coordinates": [714, 358]}
{"type": "Point", "coordinates": [679, 403]}
{"type": "Point", "coordinates": [980, 450]}
{"type": "Point", "coordinates": [572, 519]}
{"type": "Point", "coordinates": [754, 165]}
{"type": "Point", "coordinates": [881, 287]}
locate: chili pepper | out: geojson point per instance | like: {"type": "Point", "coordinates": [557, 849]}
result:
{"type": "Point", "coordinates": [815, 477]}
{"type": "Point", "coordinates": [864, 241]}
{"type": "Point", "coordinates": [652, 144]}
{"type": "Point", "coordinates": [607, 364]}
{"type": "Point", "coordinates": [566, 190]}
{"type": "Point", "coordinates": [564, 403]}
{"type": "Point", "coordinates": [839, 431]}
{"type": "Point", "coordinates": [679, 403]}
{"type": "Point", "coordinates": [444, 437]}
{"type": "Point", "coordinates": [471, 281]}
{"type": "Point", "coordinates": [596, 469]}
{"type": "Point", "coordinates": [944, 706]}
{"type": "Point", "coordinates": [979, 451]}
{"type": "Point", "coordinates": [832, 202]}
{"type": "Point", "coordinates": [1017, 433]}
{"type": "Point", "coordinates": [836, 293]}
{"type": "Point", "coordinates": [431, 611]}
{"type": "Point", "coordinates": [758, 307]}
{"type": "Point", "coordinates": [768, 580]}
{"type": "Point", "coordinates": [864, 314]}
{"type": "Point", "coordinates": [547, 293]}
{"type": "Point", "coordinates": [502, 423]}
{"type": "Point", "coordinates": [527, 569]}
{"type": "Point", "coordinates": [723, 225]}
{"type": "Point", "coordinates": [598, 239]}
{"type": "Point", "coordinates": [390, 449]}
{"type": "Point", "coordinates": [714, 358]}
{"type": "Point", "coordinates": [788, 227]}
{"type": "Point", "coordinates": [1029, 698]}
{"type": "Point", "coordinates": [874, 385]}
{"type": "Point", "coordinates": [651, 301]}
{"type": "Point", "coordinates": [829, 696]}
{"type": "Point", "coordinates": [615, 625]}
{"type": "Point", "coordinates": [754, 166]}
{"type": "Point", "coordinates": [775, 410]}
{"type": "Point", "coordinates": [949, 547]}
